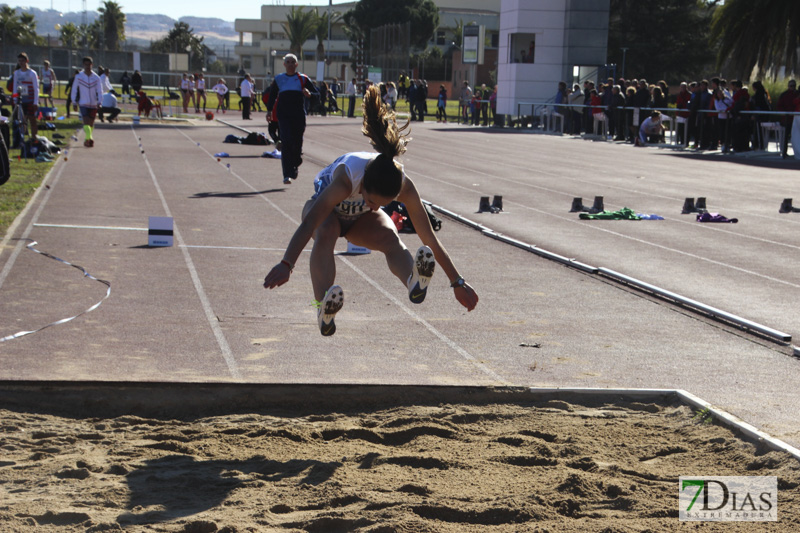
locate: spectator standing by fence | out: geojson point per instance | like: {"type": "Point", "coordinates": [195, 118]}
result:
{"type": "Point", "coordinates": [26, 84]}
{"type": "Point", "coordinates": [786, 103]}
{"type": "Point", "coordinates": [350, 91]}
{"type": "Point", "coordinates": [125, 82]}
{"type": "Point", "coordinates": [136, 81]}
{"type": "Point", "coordinates": [48, 83]}
{"type": "Point", "coordinates": [575, 99]}
{"type": "Point", "coordinates": [246, 89]}
{"type": "Point", "coordinates": [441, 105]}
{"type": "Point", "coordinates": [464, 100]}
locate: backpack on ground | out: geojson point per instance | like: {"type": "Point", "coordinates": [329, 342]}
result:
{"type": "Point", "coordinates": [402, 215]}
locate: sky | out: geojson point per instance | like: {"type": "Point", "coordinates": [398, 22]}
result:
{"type": "Point", "coordinates": [225, 9]}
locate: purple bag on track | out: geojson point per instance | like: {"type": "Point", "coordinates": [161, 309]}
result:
{"type": "Point", "coordinates": [715, 217]}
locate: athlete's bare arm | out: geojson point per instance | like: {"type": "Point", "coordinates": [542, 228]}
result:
{"type": "Point", "coordinates": [336, 192]}
{"type": "Point", "coordinates": [409, 196]}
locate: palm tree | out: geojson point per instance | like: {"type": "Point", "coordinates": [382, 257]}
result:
{"type": "Point", "coordinates": [15, 28]}
{"type": "Point", "coordinates": [322, 30]}
{"type": "Point", "coordinates": [300, 26]}
{"type": "Point", "coordinates": [70, 35]}
{"type": "Point", "coordinates": [112, 25]}
{"type": "Point", "coordinates": [179, 39]}
{"type": "Point", "coordinates": [763, 35]}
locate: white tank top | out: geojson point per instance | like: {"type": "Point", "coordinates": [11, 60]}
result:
{"type": "Point", "coordinates": [355, 163]}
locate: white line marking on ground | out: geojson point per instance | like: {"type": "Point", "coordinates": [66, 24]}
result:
{"type": "Point", "coordinates": [237, 176]}
{"type": "Point", "coordinates": [71, 226]}
{"type": "Point", "coordinates": [461, 351]}
{"type": "Point", "coordinates": [236, 248]}
{"type": "Point", "coordinates": [201, 293]}
{"type": "Point", "coordinates": [458, 349]}
{"type": "Point", "coordinates": [636, 239]}
{"type": "Point", "coordinates": [22, 243]}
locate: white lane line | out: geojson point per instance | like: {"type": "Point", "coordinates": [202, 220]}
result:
{"type": "Point", "coordinates": [227, 354]}
{"type": "Point", "coordinates": [635, 239]}
{"type": "Point", "coordinates": [236, 248]}
{"type": "Point", "coordinates": [22, 241]}
{"type": "Point", "coordinates": [237, 176]}
{"type": "Point", "coordinates": [458, 349]}
{"type": "Point", "coordinates": [454, 346]}
{"type": "Point", "coordinates": [72, 226]}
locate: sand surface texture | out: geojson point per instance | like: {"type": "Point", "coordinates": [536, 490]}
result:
{"type": "Point", "coordinates": [469, 463]}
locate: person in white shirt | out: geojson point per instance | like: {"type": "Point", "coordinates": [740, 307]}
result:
{"type": "Point", "coordinates": [26, 85]}
{"type": "Point", "coordinates": [247, 89]}
{"type": "Point", "coordinates": [391, 94]}
{"type": "Point", "coordinates": [185, 92]}
{"type": "Point", "coordinates": [350, 91]}
{"type": "Point", "coordinates": [105, 84]}
{"type": "Point", "coordinates": [221, 89]}
{"type": "Point", "coordinates": [200, 86]}
{"type": "Point", "coordinates": [87, 93]}
{"type": "Point", "coordinates": [191, 91]}
{"type": "Point", "coordinates": [48, 83]}
{"type": "Point", "coordinates": [109, 107]}
{"type": "Point", "coordinates": [650, 127]}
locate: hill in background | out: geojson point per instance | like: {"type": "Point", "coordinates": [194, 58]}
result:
{"type": "Point", "coordinates": [141, 29]}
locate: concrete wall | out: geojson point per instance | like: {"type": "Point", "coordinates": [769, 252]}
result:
{"type": "Point", "coordinates": [568, 33]}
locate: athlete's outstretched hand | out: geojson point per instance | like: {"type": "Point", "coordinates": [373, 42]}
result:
{"type": "Point", "coordinates": [277, 276]}
{"type": "Point", "coordinates": [466, 296]}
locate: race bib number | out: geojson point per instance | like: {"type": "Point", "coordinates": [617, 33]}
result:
{"type": "Point", "coordinates": [351, 209]}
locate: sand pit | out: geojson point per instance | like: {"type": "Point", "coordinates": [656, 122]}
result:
{"type": "Point", "coordinates": [368, 459]}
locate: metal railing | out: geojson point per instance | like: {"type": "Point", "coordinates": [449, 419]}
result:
{"type": "Point", "coordinates": [547, 108]}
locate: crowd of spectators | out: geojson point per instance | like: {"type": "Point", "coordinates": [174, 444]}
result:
{"type": "Point", "coordinates": [708, 115]}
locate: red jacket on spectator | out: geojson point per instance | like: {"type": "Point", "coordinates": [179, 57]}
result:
{"type": "Point", "coordinates": [741, 101]}
{"type": "Point", "coordinates": [787, 102]}
{"type": "Point", "coordinates": [683, 103]}
{"type": "Point", "coordinates": [597, 101]}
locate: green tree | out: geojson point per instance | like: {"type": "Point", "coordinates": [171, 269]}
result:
{"type": "Point", "coordinates": [300, 26]}
{"type": "Point", "coordinates": [181, 39]}
{"type": "Point", "coordinates": [369, 14]}
{"type": "Point", "coordinates": [322, 30]}
{"type": "Point", "coordinates": [70, 35]}
{"type": "Point", "coordinates": [112, 25]}
{"type": "Point", "coordinates": [763, 34]}
{"type": "Point", "coordinates": [665, 40]}
{"type": "Point", "coordinates": [16, 28]}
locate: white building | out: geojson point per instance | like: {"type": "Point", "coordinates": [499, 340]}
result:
{"type": "Point", "coordinates": [567, 40]}
{"type": "Point", "coordinates": [269, 42]}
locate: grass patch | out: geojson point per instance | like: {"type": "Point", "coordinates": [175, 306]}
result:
{"type": "Point", "coordinates": [27, 176]}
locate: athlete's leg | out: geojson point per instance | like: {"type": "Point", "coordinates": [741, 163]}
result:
{"type": "Point", "coordinates": [322, 262]}
{"type": "Point", "coordinates": [376, 231]}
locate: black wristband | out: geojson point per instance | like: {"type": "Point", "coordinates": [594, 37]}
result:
{"type": "Point", "coordinates": [459, 282]}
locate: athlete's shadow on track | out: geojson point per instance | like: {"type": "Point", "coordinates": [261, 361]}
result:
{"type": "Point", "coordinates": [201, 195]}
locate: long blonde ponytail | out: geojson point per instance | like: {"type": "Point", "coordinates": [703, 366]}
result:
{"type": "Point", "coordinates": [380, 125]}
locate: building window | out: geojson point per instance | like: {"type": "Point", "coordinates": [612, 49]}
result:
{"type": "Point", "coordinates": [522, 48]}
{"type": "Point", "coordinates": [440, 37]}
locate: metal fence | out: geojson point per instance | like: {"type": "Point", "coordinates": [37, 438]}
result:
{"type": "Point", "coordinates": [390, 50]}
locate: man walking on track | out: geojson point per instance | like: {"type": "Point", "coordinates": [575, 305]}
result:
{"type": "Point", "coordinates": [87, 93]}
{"type": "Point", "coordinates": [289, 92]}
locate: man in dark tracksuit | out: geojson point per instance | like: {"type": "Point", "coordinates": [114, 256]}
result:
{"type": "Point", "coordinates": [289, 92]}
